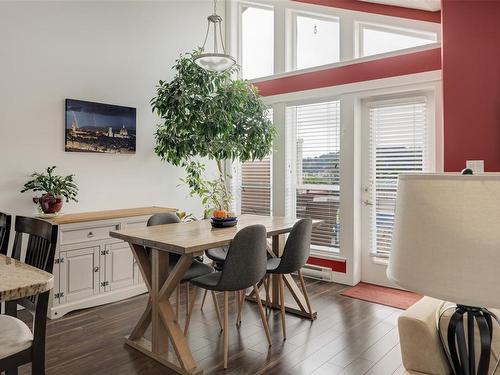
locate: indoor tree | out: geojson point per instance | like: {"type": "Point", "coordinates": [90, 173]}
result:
{"type": "Point", "coordinates": [206, 114]}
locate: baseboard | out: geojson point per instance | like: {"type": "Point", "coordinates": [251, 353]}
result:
{"type": "Point", "coordinates": [59, 311]}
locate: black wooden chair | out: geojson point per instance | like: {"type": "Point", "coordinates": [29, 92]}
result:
{"type": "Point", "coordinates": [295, 255]}
{"type": "Point", "coordinates": [18, 344]}
{"type": "Point", "coordinates": [244, 267]}
{"type": "Point", "coordinates": [5, 224]}
{"type": "Point", "coordinates": [197, 268]}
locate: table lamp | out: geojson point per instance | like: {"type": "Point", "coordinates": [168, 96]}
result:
{"type": "Point", "coordinates": [446, 244]}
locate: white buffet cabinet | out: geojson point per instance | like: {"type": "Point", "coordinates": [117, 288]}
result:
{"type": "Point", "coordinates": [91, 268]}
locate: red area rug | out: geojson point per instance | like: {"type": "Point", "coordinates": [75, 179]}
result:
{"type": "Point", "coordinates": [400, 299]}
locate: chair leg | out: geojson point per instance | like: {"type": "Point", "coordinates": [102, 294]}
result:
{"type": "Point", "coordinates": [226, 336]}
{"type": "Point", "coordinates": [282, 305]}
{"type": "Point", "coordinates": [266, 286]}
{"type": "Point", "coordinates": [203, 300]}
{"type": "Point", "coordinates": [262, 316]}
{"type": "Point", "coordinates": [187, 300]}
{"type": "Point", "coordinates": [304, 291]}
{"type": "Point", "coordinates": [205, 293]}
{"type": "Point", "coordinates": [190, 310]}
{"type": "Point", "coordinates": [241, 299]}
{"type": "Point", "coordinates": [37, 364]}
{"type": "Point", "coordinates": [178, 303]}
{"type": "Point", "coordinates": [217, 310]}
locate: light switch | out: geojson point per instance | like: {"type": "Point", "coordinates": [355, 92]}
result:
{"type": "Point", "coordinates": [477, 166]}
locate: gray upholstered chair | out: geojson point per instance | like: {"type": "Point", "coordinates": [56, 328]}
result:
{"type": "Point", "coordinates": [244, 267]}
{"type": "Point", "coordinates": [295, 255]}
{"type": "Point", "coordinates": [197, 268]}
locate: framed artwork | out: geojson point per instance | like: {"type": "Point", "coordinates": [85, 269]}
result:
{"type": "Point", "coordinates": [98, 127]}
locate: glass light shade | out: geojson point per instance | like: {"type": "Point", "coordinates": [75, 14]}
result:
{"type": "Point", "coordinates": [215, 62]}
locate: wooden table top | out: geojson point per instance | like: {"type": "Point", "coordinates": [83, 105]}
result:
{"type": "Point", "coordinates": [196, 236]}
{"type": "Point", "coordinates": [109, 214]}
{"type": "Point", "coordinates": [19, 280]}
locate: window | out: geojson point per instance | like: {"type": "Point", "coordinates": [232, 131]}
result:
{"type": "Point", "coordinates": [257, 42]}
{"type": "Point", "coordinates": [398, 143]}
{"type": "Point", "coordinates": [317, 41]}
{"type": "Point", "coordinates": [314, 159]}
{"type": "Point", "coordinates": [376, 39]}
{"type": "Point", "coordinates": [256, 188]}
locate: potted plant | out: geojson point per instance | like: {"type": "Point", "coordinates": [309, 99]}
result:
{"type": "Point", "coordinates": [54, 189]}
{"type": "Point", "coordinates": [207, 114]}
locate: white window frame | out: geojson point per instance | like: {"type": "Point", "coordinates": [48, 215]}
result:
{"type": "Point", "coordinates": [360, 26]}
{"type": "Point", "coordinates": [431, 164]}
{"type": "Point", "coordinates": [239, 25]}
{"type": "Point", "coordinates": [291, 157]}
{"type": "Point", "coordinates": [291, 62]}
{"type": "Point", "coordinates": [283, 29]}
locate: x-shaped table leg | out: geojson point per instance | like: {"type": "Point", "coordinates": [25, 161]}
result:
{"type": "Point", "coordinates": [159, 313]}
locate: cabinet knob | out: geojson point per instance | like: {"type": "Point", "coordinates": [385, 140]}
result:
{"type": "Point", "coordinates": [90, 234]}
{"type": "Point", "coordinates": [96, 269]}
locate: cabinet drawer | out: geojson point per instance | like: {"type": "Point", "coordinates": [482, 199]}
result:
{"type": "Point", "coordinates": [137, 224]}
{"type": "Point", "coordinates": [94, 233]}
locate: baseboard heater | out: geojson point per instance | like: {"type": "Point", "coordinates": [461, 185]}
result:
{"type": "Point", "coordinates": [317, 272]}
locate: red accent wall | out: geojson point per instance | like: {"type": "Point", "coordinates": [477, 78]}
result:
{"type": "Point", "coordinates": [335, 265]}
{"type": "Point", "coordinates": [387, 10]}
{"type": "Point", "coordinates": [410, 63]}
{"type": "Point", "coordinates": [471, 83]}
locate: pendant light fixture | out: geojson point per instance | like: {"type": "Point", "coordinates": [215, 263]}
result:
{"type": "Point", "coordinates": [215, 61]}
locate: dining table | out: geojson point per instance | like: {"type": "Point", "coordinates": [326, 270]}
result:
{"type": "Point", "coordinates": [20, 280]}
{"type": "Point", "coordinates": [151, 247]}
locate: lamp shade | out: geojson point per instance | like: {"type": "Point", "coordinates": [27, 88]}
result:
{"type": "Point", "coordinates": [215, 62]}
{"type": "Point", "coordinates": [446, 240]}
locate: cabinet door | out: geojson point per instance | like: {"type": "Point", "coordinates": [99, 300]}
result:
{"type": "Point", "coordinates": [120, 268]}
{"type": "Point", "coordinates": [79, 273]}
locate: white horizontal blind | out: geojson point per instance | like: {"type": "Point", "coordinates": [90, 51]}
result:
{"type": "Point", "coordinates": [316, 168]}
{"type": "Point", "coordinates": [256, 187]}
{"type": "Point", "coordinates": [398, 143]}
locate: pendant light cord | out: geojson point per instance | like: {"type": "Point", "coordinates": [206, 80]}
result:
{"type": "Point", "coordinates": [215, 19]}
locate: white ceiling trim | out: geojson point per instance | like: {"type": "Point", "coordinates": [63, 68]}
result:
{"type": "Point", "coordinates": [429, 5]}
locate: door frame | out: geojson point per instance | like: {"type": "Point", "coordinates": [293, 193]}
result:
{"type": "Point", "coordinates": [373, 269]}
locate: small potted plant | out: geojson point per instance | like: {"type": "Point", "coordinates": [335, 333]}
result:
{"type": "Point", "coordinates": [54, 189]}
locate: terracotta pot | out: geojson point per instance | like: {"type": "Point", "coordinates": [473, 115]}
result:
{"type": "Point", "coordinates": [50, 204]}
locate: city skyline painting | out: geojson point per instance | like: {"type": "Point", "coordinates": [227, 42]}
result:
{"type": "Point", "coordinates": [99, 128]}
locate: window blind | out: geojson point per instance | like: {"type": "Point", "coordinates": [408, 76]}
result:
{"type": "Point", "coordinates": [398, 143]}
{"type": "Point", "coordinates": [256, 186]}
{"type": "Point", "coordinates": [315, 129]}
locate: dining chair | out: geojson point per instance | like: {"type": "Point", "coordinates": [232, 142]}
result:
{"type": "Point", "coordinates": [18, 343]}
{"type": "Point", "coordinates": [244, 267]}
{"type": "Point", "coordinates": [197, 268]}
{"type": "Point", "coordinates": [218, 256]}
{"type": "Point", "coordinates": [5, 223]}
{"type": "Point", "coordinates": [294, 257]}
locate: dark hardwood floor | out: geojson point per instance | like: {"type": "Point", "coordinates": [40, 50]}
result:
{"type": "Point", "coordinates": [349, 337]}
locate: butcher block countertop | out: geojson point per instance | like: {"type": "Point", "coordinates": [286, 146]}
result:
{"type": "Point", "coordinates": [108, 214]}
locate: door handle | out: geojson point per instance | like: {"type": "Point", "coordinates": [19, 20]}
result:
{"type": "Point", "coordinates": [366, 202]}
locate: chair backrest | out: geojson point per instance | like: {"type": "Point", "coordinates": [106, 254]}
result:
{"type": "Point", "coordinates": [246, 259]}
{"type": "Point", "coordinates": [40, 253]}
{"type": "Point", "coordinates": [41, 245]}
{"type": "Point", "coordinates": [297, 247]}
{"type": "Point", "coordinates": [161, 219]}
{"type": "Point", "coordinates": [165, 218]}
{"type": "Point", "coordinates": [5, 224]}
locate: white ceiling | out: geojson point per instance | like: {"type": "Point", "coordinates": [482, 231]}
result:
{"type": "Point", "coordinates": [430, 5]}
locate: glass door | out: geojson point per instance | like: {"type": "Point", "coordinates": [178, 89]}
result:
{"type": "Point", "coordinates": [395, 140]}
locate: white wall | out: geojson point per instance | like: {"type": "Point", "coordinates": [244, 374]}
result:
{"type": "Point", "coordinates": [111, 52]}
